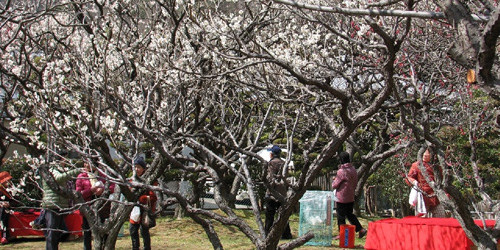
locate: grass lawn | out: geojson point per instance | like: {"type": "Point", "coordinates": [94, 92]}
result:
{"type": "Point", "coordinates": [185, 234]}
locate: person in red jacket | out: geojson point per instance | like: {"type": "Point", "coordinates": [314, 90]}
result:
{"type": "Point", "coordinates": [148, 198]}
{"type": "Point", "coordinates": [415, 178]}
{"type": "Point", "coordinates": [91, 184]}
{"type": "Point", "coordinates": [6, 203]}
{"type": "Point", "coordinates": [345, 185]}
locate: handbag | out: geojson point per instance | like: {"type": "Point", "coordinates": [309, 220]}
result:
{"type": "Point", "coordinates": [148, 218]}
{"type": "Point", "coordinates": [135, 215]}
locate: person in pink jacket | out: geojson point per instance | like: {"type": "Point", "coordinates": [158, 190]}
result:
{"type": "Point", "coordinates": [345, 185]}
{"type": "Point", "coordinates": [91, 184]}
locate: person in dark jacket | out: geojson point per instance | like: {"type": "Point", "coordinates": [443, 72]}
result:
{"type": "Point", "coordinates": [345, 185]}
{"type": "Point", "coordinates": [148, 198]}
{"type": "Point", "coordinates": [276, 182]}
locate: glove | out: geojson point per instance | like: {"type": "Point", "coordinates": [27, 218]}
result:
{"type": "Point", "coordinates": [415, 183]}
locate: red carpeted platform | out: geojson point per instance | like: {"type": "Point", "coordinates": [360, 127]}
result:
{"type": "Point", "coordinates": [19, 223]}
{"type": "Point", "coordinates": [414, 233]}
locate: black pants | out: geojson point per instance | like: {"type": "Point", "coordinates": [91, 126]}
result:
{"type": "Point", "coordinates": [87, 232]}
{"type": "Point", "coordinates": [134, 234]}
{"type": "Point", "coordinates": [345, 210]}
{"type": "Point", "coordinates": [271, 208]}
{"type": "Point", "coordinates": [55, 225]}
{"type": "Point", "coordinates": [87, 235]}
{"type": "Point", "coordinates": [4, 216]}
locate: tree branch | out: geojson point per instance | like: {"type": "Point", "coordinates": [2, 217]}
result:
{"type": "Point", "coordinates": [376, 12]}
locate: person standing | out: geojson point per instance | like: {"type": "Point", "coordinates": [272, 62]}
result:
{"type": "Point", "coordinates": [148, 198]}
{"type": "Point", "coordinates": [276, 182]}
{"type": "Point", "coordinates": [415, 178]}
{"type": "Point", "coordinates": [345, 185]}
{"type": "Point", "coordinates": [91, 184]}
{"type": "Point", "coordinates": [54, 204]}
{"type": "Point", "coordinates": [6, 202]}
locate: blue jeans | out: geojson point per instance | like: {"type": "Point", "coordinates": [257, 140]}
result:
{"type": "Point", "coordinates": [55, 224]}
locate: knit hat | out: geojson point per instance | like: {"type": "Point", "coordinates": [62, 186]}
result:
{"type": "Point", "coordinates": [140, 161]}
{"type": "Point", "coordinates": [276, 150]}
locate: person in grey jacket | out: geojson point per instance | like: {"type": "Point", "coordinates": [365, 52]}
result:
{"type": "Point", "coordinates": [276, 182]}
{"type": "Point", "coordinates": [54, 204]}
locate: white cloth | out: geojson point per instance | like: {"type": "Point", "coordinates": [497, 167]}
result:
{"type": "Point", "coordinates": [420, 207]}
{"type": "Point", "coordinates": [417, 200]}
{"type": "Point", "coordinates": [92, 178]}
{"type": "Point", "coordinates": [413, 200]}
